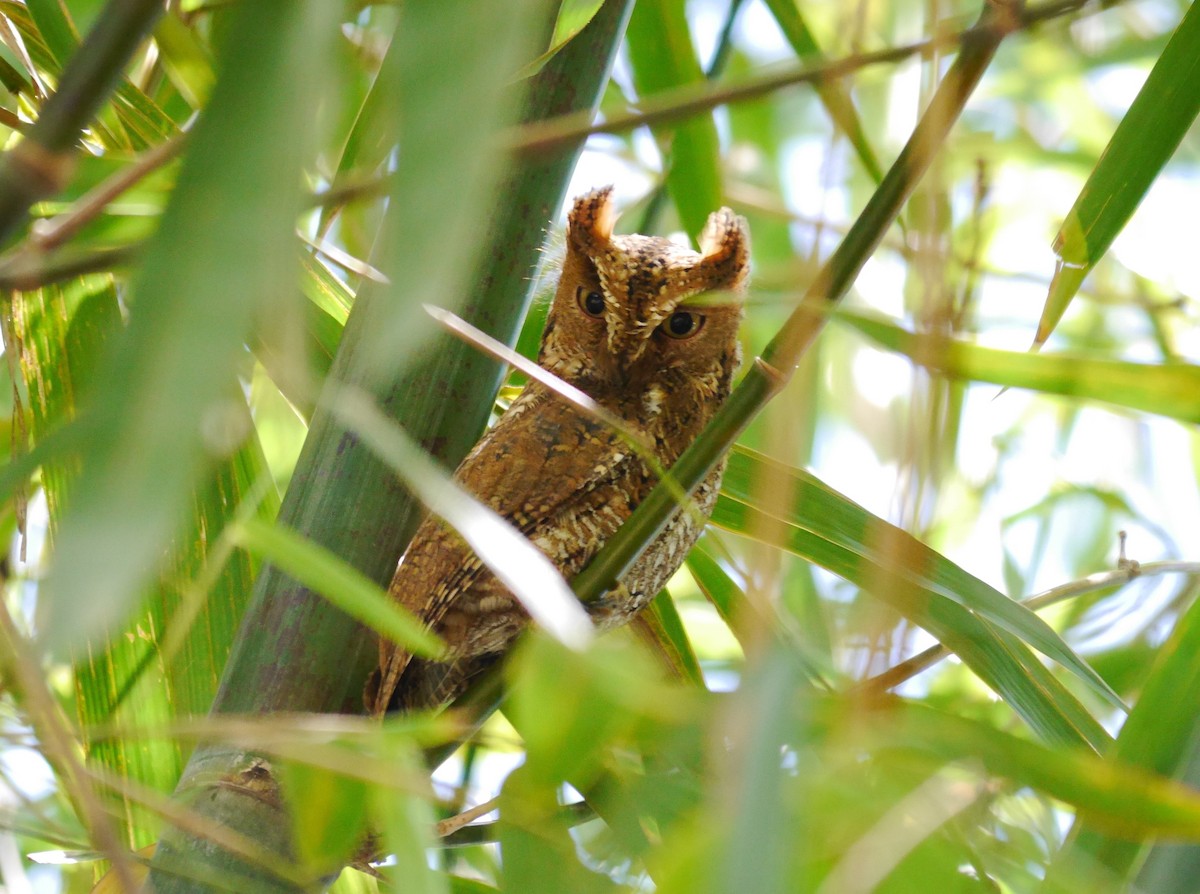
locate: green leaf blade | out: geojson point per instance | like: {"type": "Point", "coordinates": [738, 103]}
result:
{"type": "Point", "coordinates": [1144, 141]}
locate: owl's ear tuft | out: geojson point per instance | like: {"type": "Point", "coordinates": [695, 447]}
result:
{"type": "Point", "coordinates": [590, 223]}
{"type": "Point", "coordinates": [725, 243]}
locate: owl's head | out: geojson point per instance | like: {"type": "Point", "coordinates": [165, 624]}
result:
{"type": "Point", "coordinates": [633, 312]}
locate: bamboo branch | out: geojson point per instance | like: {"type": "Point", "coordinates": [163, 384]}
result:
{"type": "Point", "coordinates": [41, 164]}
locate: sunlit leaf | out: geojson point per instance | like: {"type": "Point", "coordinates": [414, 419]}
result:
{"type": "Point", "coordinates": [1144, 141]}
{"type": "Point", "coordinates": [1168, 389]}
{"type": "Point", "coordinates": [850, 541]}
{"type": "Point", "coordinates": [185, 59]}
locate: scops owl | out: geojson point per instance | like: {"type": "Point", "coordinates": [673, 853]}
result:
{"type": "Point", "coordinates": [625, 326]}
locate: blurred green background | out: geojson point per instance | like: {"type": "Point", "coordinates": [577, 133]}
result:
{"type": "Point", "coordinates": [842, 690]}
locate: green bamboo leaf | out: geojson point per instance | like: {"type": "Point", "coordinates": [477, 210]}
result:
{"type": "Point", "coordinates": [662, 56]}
{"type": "Point", "coordinates": [57, 334]}
{"type": "Point", "coordinates": [1124, 799]}
{"type": "Point", "coordinates": [405, 822]}
{"type": "Point", "coordinates": [141, 117]}
{"type": "Point", "coordinates": [573, 17]}
{"type": "Point", "coordinates": [226, 248]}
{"type": "Point", "coordinates": [35, 44]}
{"type": "Point", "coordinates": [136, 115]}
{"type": "Point", "coordinates": [185, 59]}
{"type": "Point", "coordinates": [169, 660]}
{"type": "Point", "coordinates": [719, 589]}
{"type": "Point", "coordinates": [728, 598]}
{"type": "Point", "coordinates": [834, 95]}
{"type": "Point", "coordinates": [996, 656]}
{"type": "Point", "coordinates": [55, 27]}
{"type": "Point", "coordinates": [1147, 740]}
{"type": "Point", "coordinates": [602, 692]}
{"type": "Point", "coordinates": [1168, 389]}
{"type": "Point", "coordinates": [340, 583]}
{"type": "Point", "coordinates": [12, 76]}
{"type": "Point", "coordinates": [661, 624]}
{"type": "Point", "coordinates": [325, 290]}
{"type": "Point", "coordinates": [1144, 141]}
{"type": "Point", "coordinates": [880, 548]}
{"type": "Point", "coordinates": [717, 586]}
{"type": "Point", "coordinates": [372, 137]}
{"type": "Point", "coordinates": [330, 828]}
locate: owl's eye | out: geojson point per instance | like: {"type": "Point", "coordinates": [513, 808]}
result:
{"type": "Point", "coordinates": [590, 302]}
{"type": "Point", "coordinates": [683, 324]}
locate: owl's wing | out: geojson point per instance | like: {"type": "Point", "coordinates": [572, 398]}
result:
{"type": "Point", "coordinates": [539, 460]}
{"type": "Point", "coordinates": [436, 566]}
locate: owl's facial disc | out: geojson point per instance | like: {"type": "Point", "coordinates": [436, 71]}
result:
{"type": "Point", "coordinates": [644, 302]}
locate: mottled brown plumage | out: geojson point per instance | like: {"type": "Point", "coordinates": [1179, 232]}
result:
{"type": "Point", "coordinates": [619, 330]}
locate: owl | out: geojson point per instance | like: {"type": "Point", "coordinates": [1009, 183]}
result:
{"type": "Point", "coordinates": [646, 328]}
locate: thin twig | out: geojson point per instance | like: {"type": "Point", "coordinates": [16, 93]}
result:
{"type": "Point", "coordinates": [344, 259]}
{"type": "Point", "coordinates": [452, 824]}
{"type": "Point", "coordinates": [574, 814]}
{"type": "Point", "coordinates": [351, 188]}
{"type": "Point", "coordinates": [26, 267]}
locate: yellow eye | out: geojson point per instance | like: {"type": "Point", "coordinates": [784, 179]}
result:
{"type": "Point", "coordinates": [682, 324]}
{"type": "Point", "coordinates": [590, 302]}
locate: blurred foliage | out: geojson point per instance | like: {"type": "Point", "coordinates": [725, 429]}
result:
{"type": "Point", "coordinates": [786, 717]}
